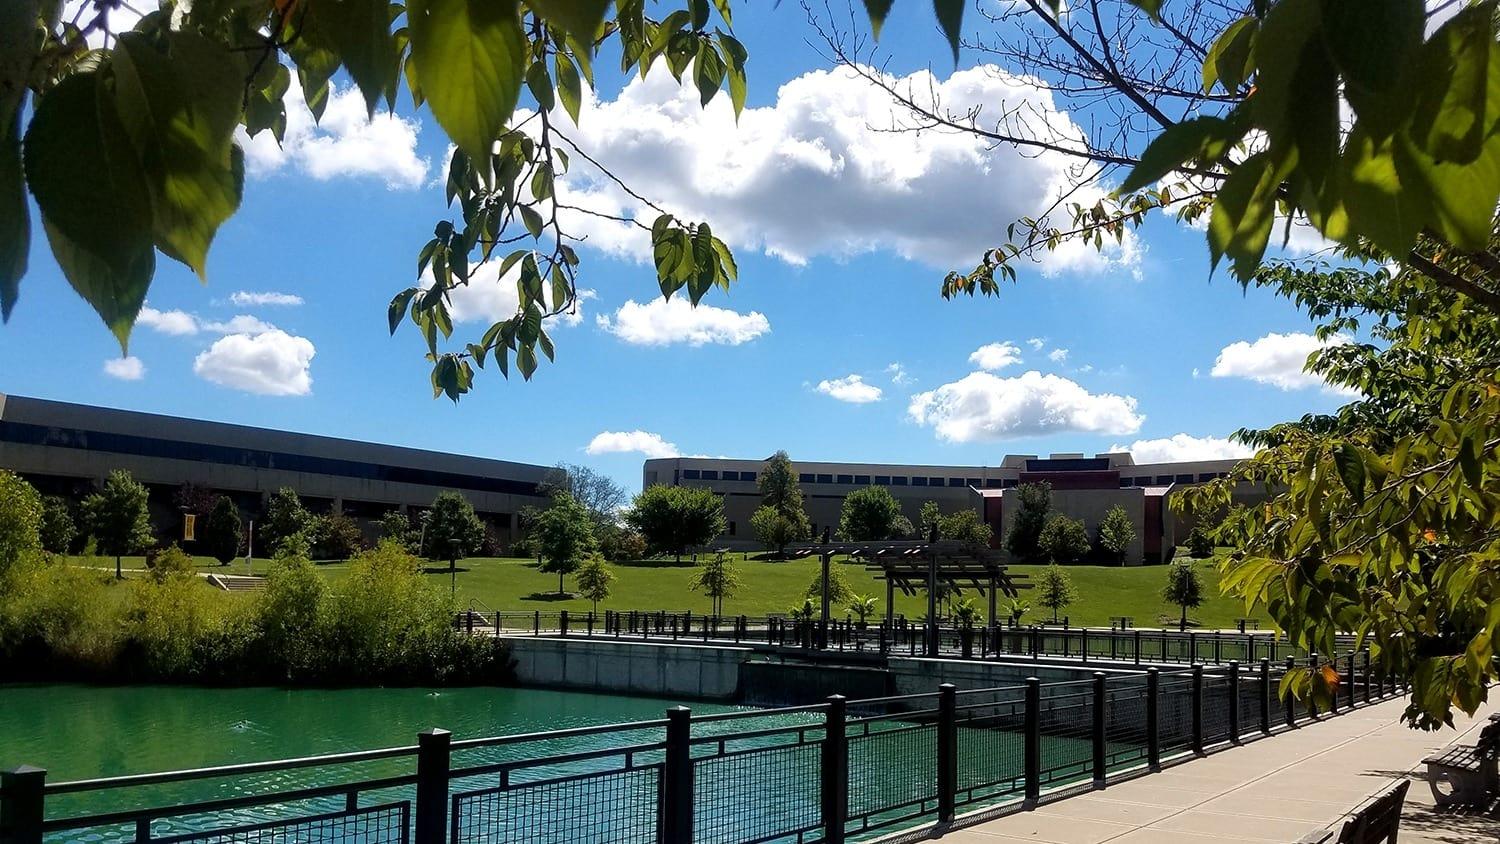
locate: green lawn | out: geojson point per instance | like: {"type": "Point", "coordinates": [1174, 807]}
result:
{"type": "Point", "coordinates": [516, 584]}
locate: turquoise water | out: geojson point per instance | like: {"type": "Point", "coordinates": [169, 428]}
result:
{"type": "Point", "coordinates": [79, 732]}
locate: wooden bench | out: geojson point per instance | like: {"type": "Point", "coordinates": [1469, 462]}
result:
{"type": "Point", "coordinates": [1470, 770]}
{"type": "Point", "coordinates": [1375, 821]}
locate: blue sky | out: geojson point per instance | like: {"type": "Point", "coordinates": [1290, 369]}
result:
{"type": "Point", "coordinates": [842, 235]}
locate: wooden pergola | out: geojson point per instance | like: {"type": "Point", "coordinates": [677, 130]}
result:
{"type": "Point", "coordinates": [915, 565]}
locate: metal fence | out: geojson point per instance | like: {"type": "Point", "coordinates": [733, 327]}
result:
{"type": "Point", "coordinates": [828, 772]}
{"type": "Point", "coordinates": [898, 636]}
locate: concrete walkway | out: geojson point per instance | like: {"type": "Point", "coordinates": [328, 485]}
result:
{"type": "Point", "coordinates": [1274, 789]}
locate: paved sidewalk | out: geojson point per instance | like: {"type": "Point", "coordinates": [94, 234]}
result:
{"type": "Point", "coordinates": [1274, 789]}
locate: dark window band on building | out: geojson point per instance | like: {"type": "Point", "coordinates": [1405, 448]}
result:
{"type": "Point", "coordinates": [898, 480]}
{"type": "Point", "coordinates": [825, 479]}
{"type": "Point", "coordinates": [882, 480]}
{"type": "Point", "coordinates": [956, 482]}
{"type": "Point", "coordinates": [862, 480]}
{"type": "Point", "coordinates": [710, 474]}
{"type": "Point", "coordinates": [25, 433]}
{"type": "Point", "coordinates": [690, 474]}
{"type": "Point", "coordinates": [846, 479]}
{"type": "Point", "coordinates": [805, 477]}
{"type": "Point", "coordinates": [918, 481]}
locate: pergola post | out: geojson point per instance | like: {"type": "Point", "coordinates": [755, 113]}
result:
{"type": "Point", "coordinates": [932, 625]}
{"type": "Point", "coordinates": [827, 558]}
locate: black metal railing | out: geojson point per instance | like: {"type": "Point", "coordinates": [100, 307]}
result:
{"type": "Point", "coordinates": [898, 636]}
{"type": "Point", "coordinates": [826, 772]}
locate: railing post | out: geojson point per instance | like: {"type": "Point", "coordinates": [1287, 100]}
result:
{"type": "Point", "coordinates": [1265, 696]}
{"type": "Point", "coordinates": [1137, 636]}
{"type": "Point", "coordinates": [562, 622]}
{"type": "Point", "coordinates": [1098, 729]}
{"type": "Point", "coordinates": [1033, 750]}
{"type": "Point", "coordinates": [1234, 701]}
{"type": "Point", "coordinates": [947, 751]}
{"type": "Point", "coordinates": [1350, 684]}
{"type": "Point", "coordinates": [433, 748]}
{"type": "Point", "coordinates": [1083, 647]}
{"type": "Point", "coordinates": [1153, 735]}
{"type": "Point", "coordinates": [1218, 648]}
{"type": "Point", "coordinates": [22, 795]}
{"type": "Point", "coordinates": [1197, 708]}
{"type": "Point", "coordinates": [1291, 705]}
{"type": "Point", "coordinates": [835, 771]}
{"type": "Point", "coordinates": [536, 623]}
{"type": "Point", "coordinates": [676, 822]}
{"type": "Point", "coordinates": [1367, 674]}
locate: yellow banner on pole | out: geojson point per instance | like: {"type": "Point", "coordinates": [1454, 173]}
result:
{"type": "Point", "coordinates": [189, 525]}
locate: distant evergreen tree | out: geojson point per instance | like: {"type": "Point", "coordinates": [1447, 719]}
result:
{"type": "Point", "coordinates": [221, 533]}
{"type": "Point", "coordinates": [1024, 537]}
{"type": "Point", "coordinates": [57, 529]}
{"type": "Point", "coordinates": [284, 517]}
{"type": "Point", "coordinates": [786, 519]}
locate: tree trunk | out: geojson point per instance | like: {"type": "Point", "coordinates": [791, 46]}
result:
{"type": "Point", "coordinates": [119, 575]}
{"type": "Point", "coordinates": [559, 582]}
{"type": "Point", "coordinates": [1182, 624]}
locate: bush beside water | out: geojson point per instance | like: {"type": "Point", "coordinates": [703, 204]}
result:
{"type": "Point", "coordinates": [384, 625]}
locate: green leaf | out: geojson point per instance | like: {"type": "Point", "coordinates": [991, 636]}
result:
{"type": "Point", "coordinates": [700, 13]}
{"type": "Point", "coordinates": [547, 348]}
{"type": "Point", "coordinates": [180, 109]}
{"type": "Point", "coordinates": [397, 309]}
{"type": "Point", "coordinates": [1381, 205]}
{"type": "Point", "coordinates": [539, 82]}
{"type": "Point", "coordinates": [1372, 43]}
{"type": "Point", "coordinates": [735, 55]}
{"type": "Point", "coordinates": [1243, 212]}
{"type": "Point", "coordinates": [1351, 468]}
{"type": "Point", "coordinates": [950, 18]}
{"type": "Point", "coordinates": [1206, 138]}
{"type": "Point", "coordinates": [1458, 101]}
{"type": "Point", "coordinates": [581, 19]}
{"type": "Point", "coordinates": [470, 56]}
{"type": "Point", "coordinates": [708, 72]}
{"type": "Point", "coordinates": [878, 10]}
{"type": "Point", "coordinates": [526, 361]}
{"type": "Point", "coordinates": [1227, 62]}
{"type": "Point", "coordinates": [94, 198]}
{"type": "Point", "coordinates": [1456, 199]}
{"type": "Point", "coordinates": [532, 219]}
{"type": "Point", "coordinates": [359, 33]}
{"type": "Point", "coordinates": [569, 86]}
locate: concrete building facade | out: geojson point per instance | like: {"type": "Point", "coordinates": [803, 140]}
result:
{"type": "Point", "coordinates": [68, 449]}
{"type": "Point", "coordinates": [1082, 487]}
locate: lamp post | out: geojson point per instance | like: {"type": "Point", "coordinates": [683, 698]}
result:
{"type": "Point", "coordinates": [453, 551]}
{"type": "Point", "coordinates": [827, 558]}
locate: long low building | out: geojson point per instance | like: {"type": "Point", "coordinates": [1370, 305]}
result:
{"type": "Point", "coordinates": [68, 449]}
{"type": "Point", "coordinates": [1082, 487]}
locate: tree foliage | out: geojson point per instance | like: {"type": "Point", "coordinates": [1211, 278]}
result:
{"type": "Point", "coordinates": [1184, 588]}
{"type": "Point", "coordinates": [284, 517]}
{"type": "Point", "coordinates": [1116, 532]}
{"type": "Point", "coordinates": [452, 529]}
{"type": "Point", "coordinates": [396, 526]}
{"type": "Point", "coordinates": [869, 514]}
{"type": "Point", "coordinates": [564, 535]}
{"type": "Point", "coordinates": [717, 578]}
{"type": "Point", "coordinates": [118, 518]}
{"type": "Point", "coordinates": [1200, 545]}
{"type": "Point", "coordinates": [594, 578]}
{"type": "Point", "coordinates": [58, 529]}
{"type": "Point", "coordinates": [336, 537]}
{"type": "Point", "coordinates": [600, 494]}
{"type": "Point", "coordinates": [221, 533]}
{"type": "Point", "coordinates": [839, 590]}
{"type": "Point", "coordinates": [787, 520]}
{"type": "Point", "coordinates": [965, 526]}
{"type": "Point", "coordinates": [676, 518]}
{"type": "Point", "coordinates": [1034, 501]}
{"type": "Point", "coordinates": [1063, 539]}
{"type": "Point", "coordinates": [1054, 589]}
{"type": "Point", "coordinates": [20, 519]}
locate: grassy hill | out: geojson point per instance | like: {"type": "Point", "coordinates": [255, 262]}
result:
{"type": "Point", "coordinates": [516, 584]}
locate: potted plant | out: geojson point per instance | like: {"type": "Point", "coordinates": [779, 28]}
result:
{"type": "Point", "coordinates": [965, 613]}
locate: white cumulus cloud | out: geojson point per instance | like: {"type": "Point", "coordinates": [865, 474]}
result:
{"type": "Point", "coordinates": [662, 322]}
{"type": "Point", "coordinates": [1057, 355]}
{"type": "Point", "coordinates": [346, 143]}
{"type": "Point", "coordinates": [125, 369]}
{"type": "Point", "coordinates": [996, 355]}
{"type": "Point", "coordinates": [983, 407]}
{"type": "Point", "coordinates": [850, 388]}
{"type": "Point", "coordinates": [177, 323]}
{"type": "Point", "coordinates": [1184, 447]}
{"type": "Point", "coordinates": [624, 442]}
{"type": "Point", "coordinates": [899, 375]}
{"type": "Point", "coordinates": [857, 189]}
{"type": "Point", "coordinates": [1275, 359]}
{"type": "Point", "coordinates": [271, 363]}
{"type": "Point", "coordinates": [252, 298]}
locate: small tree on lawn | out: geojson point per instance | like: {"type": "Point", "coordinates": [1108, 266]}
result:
{"type": "Point", "coordinates": [839, 590]}
{"type": "Point", "coordinates": [775, 529]}
{"type": "Point", "coordinates": [1024, 537]}
{"type": "Point", "coordinates": [1064, 540]}
{"type": "Point", "coordinates": [594, 579]}
{"type": "Point", "coordinates": [336, 537]}
{"type": "Point", "coordinates": [1054, 589]}
{"type": "Point", "coordinates": [564, 534]}
{"type": "Point", "coordinates": [1116, 532]}
{"type": "Point", "coordinates": [20, 519]}
{"type": "Point", "coordinates": [869, 514]}
{"type": "Point", "coordinates": [1184, 588]}
{"type": "Point", "coordinates": [118, 518]}
{"type": "Point", "coordinates": [284, 517]}
{"type": "Point", "coordinates": [57, 528]}
{"type": "Point", "coordinates": [863, 606]}
{"type": "Point", "coordinates": [1200, 544]}
{"type": "Point", "coordinates": [221, 530]}
{"type": "Point", "coordinates": [718, 579]}
{"type": "Point", "coordinates": [676, 518]}
{"type": "Point", "coordinates": [396, 527]}
{"type": "Point", "coordinates": [965, 526]}
{"type": "Point", "coordinates": [453, 530]}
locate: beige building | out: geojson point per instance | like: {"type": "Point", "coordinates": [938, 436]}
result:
{"type": "Point", "coordinates": [1082, 487]}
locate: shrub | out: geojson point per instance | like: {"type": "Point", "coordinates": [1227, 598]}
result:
{"type": "Point", "coordinates": [1063, 539]}
{"type": "Point", "coordinates": [839, 590]}
{"type": "Point", "coordinates": [57, 530]}
{"type": "Point", "coordinates": [171, 562]}
{"type": "Point", "coordinates": [337, 538]}
{"type": "Point", "coordinates": [221, 530]}
{"type": "Point", "coordinates": [166, 619]}
{"type": "Point", "coordinates": [284, 517]}
{"type": "Point", "coordinates": [292, 612]}
{"type": "Point", "coordinates": [386, 618]}
{"type": "Point", "coordinates": [965, 526]}
{"type": "Point", "coordinates": [619, 544]}
{"type": "Point", "coordinates": [1200, 544]}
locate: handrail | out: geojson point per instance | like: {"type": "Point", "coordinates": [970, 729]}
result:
{"type": "Point", "coordinates": [161, 777]}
